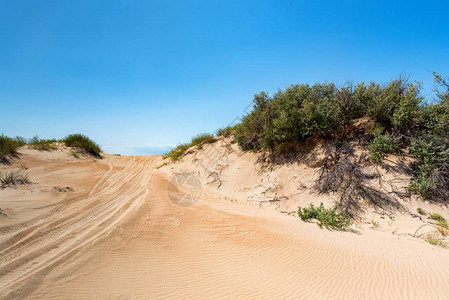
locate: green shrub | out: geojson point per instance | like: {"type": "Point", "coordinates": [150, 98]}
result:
{"type": "Point", "coordinates": [431, 154]}
{"type": "Point", "coordinates": [225, 131]}
{"type": "Point", "coordinates": [8, 146]}
{"type": "Point", "coordinates": [443, 223]}
{"type": "Point", "coordinates": [329, 218]}
{"type": "Point", "coordinates": [84, 143]}
{"type": "Point", "coordinates": [381, 146]}
{"type": "Point", "coordinates": [436, 217]}
{"type": "Point", "coordinates": [176, 153]}
{"type": "Point", "coordinates": [203, 138]}
{"type": "Point", "coordinates": [42, 144]}
{"type": "Point", "coordinates": [197, 141]}
{"type": "Point", "coordinates": [420, 211]}
{"type": "Point", "coordinates": [434, 240]}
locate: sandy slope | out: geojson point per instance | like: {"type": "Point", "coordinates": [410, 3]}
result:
{"type": "Point", "coordinates": [115, 233]}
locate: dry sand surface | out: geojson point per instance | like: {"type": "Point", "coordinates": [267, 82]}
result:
{"type": "Point", "coordinates": [108, 229]}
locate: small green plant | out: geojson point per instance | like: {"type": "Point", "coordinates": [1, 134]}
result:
{"type": "Point", "coordinates": [434, 240]}
{"type": "Point", "coordinates": [203, 138]}
{"type": "Point", "coordinates": [420, 211]}
{"type": "Point", "coordinates": [198, 141]}
{"type": "Point", "coordinates": [432, 154]}
{"type": "Point", "coordinates": [443, 223]}
{"type": "Point", "coordinates": [436, 217]}
{"type": "Point", "coordinates": [42, 144]}
{"type": "Point", "coordinates": [13, 178]}
{"type": "Point", "coordinates": [225, 131]}
{"type": "Point", "coordinates": [375, 224]}
{"type": "Point", "coordinates": [74, 154]}
{"type": "Point", "coordinates": [8, 146]}
{"type": "Point", "coordinates": [84, 143]}
{"type": "Point", "coordinates": [327, 217]}
{"type": "Point", "coordinates": [176, 153]}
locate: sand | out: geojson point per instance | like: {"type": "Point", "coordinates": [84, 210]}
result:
{"type": "Point", "coordinates": [109, 229]}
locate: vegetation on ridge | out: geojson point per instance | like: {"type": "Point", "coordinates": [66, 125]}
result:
{"type": "Point", "coordinates": [42, 144]}
{"type": "Point", "coordinates": [9, 146]}
{"type": "Point", "coordinates": [82, 142]}
{"type": "Point", "coordinates": [396, 119]}
{"type": "Point", "coordinates": [198, 141]}
{"type": "Point", "coordinates": [400, 123]}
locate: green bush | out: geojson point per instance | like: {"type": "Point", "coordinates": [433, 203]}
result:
{"type": "Point", "coordinates": [84, 143]}
{"type": "Point", "coordinates": [436, 217]}
{"type": "Point", "coordinates": [225, 131]}
{"type": "Point", "coordinates": [176, 153]}
{"type": "Point", "coordinates": [300, 111]}
{"type": "Point", "coordinates": [203, 138]}
{"type": "Point", "coordinates": [381, 146]}
{"type": "Point", "coordinates": [42, 144]}
{"type": "Point", "coordinates": [198, 141]}
{"type": "Point", "coordinates": [431, 153]}
{"type": "Point", "coordinates": [329, 218]}
{"type": "Point", "coordinates": [8, 146]}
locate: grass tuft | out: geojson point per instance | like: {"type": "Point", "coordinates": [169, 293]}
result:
{"type": "Point", "coordinates": [8, 146]}
{"type": "Point", "coordinates": [84, 143]}
{"type": "Point", "coordinates": [198, 141]}
{"type": "Point", "coordinates": [420, 211]}
{"type": "Point", "coordinates": [327, 217]}
{"type": "Point", "coordinates": [42, 144]}
{"type": "Point", "coordinates": [225, 131]}
{"type": "Point", "coordinates": [203, 138]}
{"type": "Point", "coordinates": [13, 178]}
{"type": "Point", "coordinates": [436, 217]}
{"type": "Point", "coordinates": [434, 240]}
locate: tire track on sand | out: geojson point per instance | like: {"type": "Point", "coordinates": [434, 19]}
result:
{"type": "Point", "coordinates": [50, 237]}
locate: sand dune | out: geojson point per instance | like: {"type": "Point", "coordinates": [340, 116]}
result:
{"type": "Point", "coordinates": [116, 233]}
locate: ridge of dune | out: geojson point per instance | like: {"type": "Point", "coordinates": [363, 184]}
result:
{"type": "Point", "coordinates": [116, 233]}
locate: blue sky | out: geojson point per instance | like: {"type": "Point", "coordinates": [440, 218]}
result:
{"type": "Point", "coordinates": [140, 76]}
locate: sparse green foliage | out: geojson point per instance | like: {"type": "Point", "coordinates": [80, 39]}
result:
{"type": "Point", "coordinates": [176, 153]}
{"type": "Point", "coordinates": [382, 145]}
{"type": "Point", "coordinates": [327, 217]}
{"type": "Point", "coordinates": [434, 240]}
{"type": "Point", "coordinates": [13, 178]}
{"type": "Point", "coordinates": [74, 154]}
{"type": "Point", "coordinates": [420, 211]}
{"type": "Point", "coordinates": [82, 142]}
{"type": "Point", "coordinates": [375, 224]}
{"type": "Point", "coordinates": [42, 144]}
{"type": "Point", "coordinates": [436, 217]}
{"type": "Point", "coordinates": [8, 146]}
{"type": "Point", "coordinates": [203, 138]}
{"type": "Point", "coordinates": [432, 155]}
{"type": "Point", "coordinates": [198, 141]}
{"type": "Point", "coordinates": [442, 223]}
{"type": "Point", "coordinates": [225, 131]}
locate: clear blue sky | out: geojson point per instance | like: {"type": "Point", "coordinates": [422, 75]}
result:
{"type": "Point", "coordinates": [137, 76]}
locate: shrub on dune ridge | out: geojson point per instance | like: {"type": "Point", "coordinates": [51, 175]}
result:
{"type": "Point", "coordinates": [327, 217]}
{"type": "Point", "coordinates": [42, 144]}
{"type": "Point", "coordinates": [176, 153]}
{"type": "Point", "coordinates": [84, 143]}
{"type": "Point", "coordinates": [8, 146]}
{"type": "Point", "coordinates": [198, 141]}
{"type": "Point", "coordinates": [225, 131]}
{"type": "Point", "coordinates": [203, 138]}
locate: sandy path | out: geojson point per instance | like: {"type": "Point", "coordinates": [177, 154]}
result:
{"type": "Point", "coordinates": [125, 239]}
